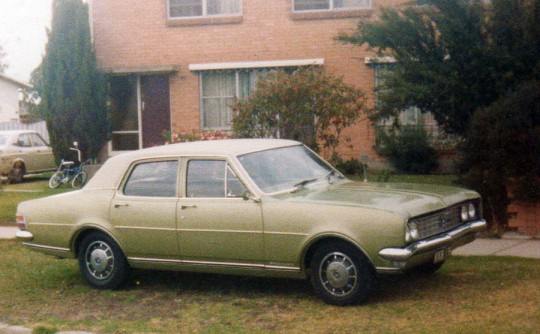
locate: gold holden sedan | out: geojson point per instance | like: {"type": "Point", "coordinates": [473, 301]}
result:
{"type": "Point", "coordinates": [251, 207]}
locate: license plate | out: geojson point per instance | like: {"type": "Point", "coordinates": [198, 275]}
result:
{"type": "Point", "coordinates": [440, 256]}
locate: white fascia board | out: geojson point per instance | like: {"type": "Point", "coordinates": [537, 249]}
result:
{"type": "Point", "coordinates": [380, 60]}
{"type": "Point", "coordinates": [256, 64]}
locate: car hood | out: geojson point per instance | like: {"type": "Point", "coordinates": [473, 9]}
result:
{"type": "Point", "coordinates": [405, 199]}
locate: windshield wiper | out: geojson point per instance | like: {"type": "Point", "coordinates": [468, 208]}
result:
{"type": "Point", "coordinates": [302, 184]}
{"type": "Point", "coordinates": [332, 173]}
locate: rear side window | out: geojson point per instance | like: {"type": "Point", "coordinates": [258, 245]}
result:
{"type": "Point", "coordinates": [153, 179]}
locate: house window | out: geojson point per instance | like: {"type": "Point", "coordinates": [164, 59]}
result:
{"type": "Point", "coordinates": [316, 5]}
{"type": "Point", "coordinates": [219, 89]}
{"type": "Point", "coordinates": [203, 8]}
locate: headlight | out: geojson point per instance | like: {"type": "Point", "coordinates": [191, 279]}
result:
{"type": "Point", "coordinates": [472, 211]}
{"type": "Point", "coordinates": [464, 212]}
{"type": "Point", "coordinates": [412, 232]}
{"type": "Point", "coordinates": [468, 212]}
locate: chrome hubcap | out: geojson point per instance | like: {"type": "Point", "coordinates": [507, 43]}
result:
{"type": "Point", "coordinates": [338, 274]}
{"type": "Point", "coordinates": [99, 260]}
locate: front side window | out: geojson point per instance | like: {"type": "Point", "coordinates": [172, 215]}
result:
{"type": "Point", "coordinates": [219, 90]}
{"type": "Point", "coordinates": [24, 141]}
{"type": "Point", "coordinates": [313, 5]}
{"type": "Point", "coordinates": [212, 179]}
{"type": "Point", "coordinates": [37, 140]}
{"type": "Point", "coordinates": [202, 8]}
{"type": "Point", "coordinates": [153, 179]}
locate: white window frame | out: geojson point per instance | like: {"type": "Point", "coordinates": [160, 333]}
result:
{"type": "Point", "coordinates": [237, 67]}
{"type": "Point", "coordinates": [204, 12]}
{"type": "Point", "coordinates": [332, 7]}
{"type": "Point", "coordinates": [202, 98]}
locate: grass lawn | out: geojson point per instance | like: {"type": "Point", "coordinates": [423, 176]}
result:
{"type": "Point", "coordinates": [468, 295]}
{"type": "Point", "coordinates": [32, 187]}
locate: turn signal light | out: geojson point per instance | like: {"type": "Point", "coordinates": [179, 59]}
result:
{"type": "Point", "coordinates": [21, 222]}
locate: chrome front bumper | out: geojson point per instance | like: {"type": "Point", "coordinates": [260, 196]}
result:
{"type": "Point", "coordinates": [451, 239]}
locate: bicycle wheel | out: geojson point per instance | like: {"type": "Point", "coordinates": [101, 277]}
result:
{"type": "Point", "coordinates": [56, 180]}
{"type": "Point", "coordinates": [79, 180]}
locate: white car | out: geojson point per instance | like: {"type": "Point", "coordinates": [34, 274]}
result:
{"type": "Point", "coordinates": [24, 152]}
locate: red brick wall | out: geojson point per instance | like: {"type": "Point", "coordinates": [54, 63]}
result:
{"type": "Point", "coordinates": [525, 217]}
{"type": "Point", "coordinates": [131, 33]}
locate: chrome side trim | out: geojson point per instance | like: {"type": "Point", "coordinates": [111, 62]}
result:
{"type": "Point", "coordinates": [214, 264]}
{"type": "Point", "coordinates": [42, 247]}
{"type": "Point", "coordinates": [446, 239]}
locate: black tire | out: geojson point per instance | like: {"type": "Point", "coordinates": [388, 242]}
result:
{"type": "Point", "coordinates": [79, 180]}
{"type": "Point", "coordinates": [102, 262]}
{"type": "Point", "coordinates": [341, 275]}
{"type": "Point", "coordinates": [56, 180]}
{"type": "Point", "coordinates": [16, 174]}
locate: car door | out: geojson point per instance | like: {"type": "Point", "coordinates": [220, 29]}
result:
{"type": "Point", "coordinates": [43, 154]}
{"type": "Point", "coordinates": [143, 211]}
{"type": "Point", "coordinates": [215, 224]}
{"type": "Point", "coordinates": [26, 151]}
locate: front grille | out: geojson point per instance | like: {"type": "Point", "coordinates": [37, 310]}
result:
{"type": "Point", "coordinates": [438, 222]}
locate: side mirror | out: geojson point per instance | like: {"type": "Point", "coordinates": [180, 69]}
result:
{"type": "Point", "coordinates": [247, 195]}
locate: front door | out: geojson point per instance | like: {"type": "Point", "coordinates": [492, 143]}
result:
{"type": "Point", "coordinates": [215, 224]}
{"type": "Point", "coordinates": [155, 107]}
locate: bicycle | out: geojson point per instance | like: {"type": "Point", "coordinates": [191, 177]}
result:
{"type": "Point", "coordinates": [69, 171]}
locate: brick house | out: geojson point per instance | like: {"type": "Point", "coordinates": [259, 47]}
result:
{"type": "Point", "coordinates": [177, 64]}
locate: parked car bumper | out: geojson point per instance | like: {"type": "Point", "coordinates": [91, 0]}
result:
{"type": "Point", "coordinates": [24, 235]}
{"type": "Point", "coordinates": [425, 250]}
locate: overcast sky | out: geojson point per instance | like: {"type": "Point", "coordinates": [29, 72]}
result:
{"type": "Point", "coordinates": [23, 35]}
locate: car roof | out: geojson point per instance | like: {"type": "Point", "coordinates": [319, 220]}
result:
{"type": "Point", "coordinates": [110, 174]}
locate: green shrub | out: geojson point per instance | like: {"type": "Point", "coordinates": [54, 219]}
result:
{"type": "Point", "coordinates": [409, 151]}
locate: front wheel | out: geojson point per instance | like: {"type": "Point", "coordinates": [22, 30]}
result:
{"type": "Point", "coordinates": [340, 274]}
{"type": "Point", "coordinates": [56, 180]}
{"type": "Point", "coordinates": [16, 174]}
{"type": "Point", "coordinates": [79, 180]}
{"type": "Point", "coordinates": [102, 262]}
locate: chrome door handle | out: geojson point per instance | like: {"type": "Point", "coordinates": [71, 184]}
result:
{"type": "Point", "coordinates": [116, 206]}
{"type": "Point", "coordinates": [183, 207]}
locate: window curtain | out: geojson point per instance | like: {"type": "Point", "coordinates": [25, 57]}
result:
{"type": "Point", "coordinates": [223, 7]}
{"type": "Point", "coordinates": [218, 92]}
{"type": "Point", "coordinates": [350, 3]}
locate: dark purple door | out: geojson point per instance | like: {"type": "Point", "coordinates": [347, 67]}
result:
{"type": "Point", "coordinates": [156, 112]}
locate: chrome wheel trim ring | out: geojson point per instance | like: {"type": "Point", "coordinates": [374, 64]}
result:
{"type": "Point", "coordinates": [99, 260]}
{"type": "Point", "coordinates": [338, 274]}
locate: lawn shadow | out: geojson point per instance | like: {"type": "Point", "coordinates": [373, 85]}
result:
{"type": "Point", "coordinates": [215, 284]}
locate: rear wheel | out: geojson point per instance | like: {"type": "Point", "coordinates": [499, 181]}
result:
{"type": "Point", "coordinates": [340, 274]}
{"type": "Point", "coordinates": [102, 262]}
{"type": "Point", "coordinates": [79, 180]}
{"type": "Point", "coordinates": [56, 180]}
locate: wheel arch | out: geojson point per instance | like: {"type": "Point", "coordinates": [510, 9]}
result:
{"type": "Point", "coordinates": [311, 248]}
{"type": "Point", "coordinates": [79, 236]}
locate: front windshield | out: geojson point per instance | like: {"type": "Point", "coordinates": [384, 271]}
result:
{"type": "Point", "coordinates": [284, 168]}
{"type": "Point", "coordinates": [3, 140]}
